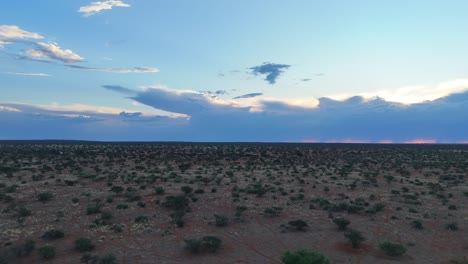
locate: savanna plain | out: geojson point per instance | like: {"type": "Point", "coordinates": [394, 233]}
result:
{"type": "Point", "coordinates": [91, 202]}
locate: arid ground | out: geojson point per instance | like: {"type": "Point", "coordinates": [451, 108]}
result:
{"type": "Point", "coordinates": [143, 202]}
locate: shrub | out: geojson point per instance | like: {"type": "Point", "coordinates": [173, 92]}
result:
{"type": "Point", "coordinates": [452, 226]}
{"type": "Point", "coordinates": [186, 189]}
{"type": "Point", "coordinates": [207, 243]}
{"type": "Point", "coordinates": [298, 224]}
{"type": "Point", "coordinates": [392, 249]}
{"type": "Point", "coordinates": [304, 256]}
{"type": "Point", "coordinates": [44, 197]}
{"type": "Point", "coordinates": [273, 211]}
{"type": "Point", "coordinates": [117, 189]}
{"type": "Point", "coordinates": [84, 244]}
{"type": "Point", "coordinates": [221, 220]}
{"type": "Point", "coordinates": [47, 252]}
{"type": "Point", "coordinates": [25, 249]}
{"type": "Point", "coordinates": [177, 218]}
{"type": "Point", "coordinates": [341, 222]}
{"type": "Point", "coordinates": [23, 211]}
{"type": "Point", "coordinates": [176, 202]}
{"type": "Point", "coordinates": [141, 219]}
{"type": "Point", "coordinates": [355, 237]}
{"type": "Point", "coordinates": [417, 224]}
{"type": "Point", "coordinates": [53, 234]}
{"type": "Point", "coordinates": [159, 190]}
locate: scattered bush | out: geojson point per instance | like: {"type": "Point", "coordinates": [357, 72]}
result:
{"type": "Point", "coordinates": [176, 202]}
{"type": "Point", "coordinates": [207, 243]}
{"type": "Point", "coordinates": [53, 234]}
{"type": "Point", "coordinates": [392, 249]}
{"type": "Point", "coordinates": [298, 224]}
{"type": "Point", "coordinates": [273, 211]}
{"type": "Point", "coordinates": [341, 222]}
{"type": "Point", "coordinates": [304, 256]}
{"type": "Point", "coordinates": [452, 226]}
{"type": "Point", "coordinates": [417, 224]}
{"type": "Point", "coordinates": [220, 220]}
{"type": "Point", "coordinates": [159, 190]}
{"type": "Point", "coordinates": [44, 197]}
{"type": "Point", "coordinates": [47, 252]}
{"type": "Point", "coordinates": [84, 244]}
{"type": "Point", "coordinates": [354, 237]}
{"type": "Point", "coordinates": [141, 219]}
{"type": "Point", "coordinates": [186, 189]}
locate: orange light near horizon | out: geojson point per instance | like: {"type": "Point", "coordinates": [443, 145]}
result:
{"type": "Point", "coordinates": [421, 141]}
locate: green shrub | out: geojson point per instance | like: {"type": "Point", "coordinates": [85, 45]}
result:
{"type": "Point", "coordinates": [44, 197]}
{"type": "Point", "coordinates": [452, 226]}
{"type": "Point", "coordinates": [298, 224]}
{"type": "Point", "coordinates": [186, 189]}
{"type": "Point", "coordinates": [304, 256]}
{"type": "Point", "coordinates": [273, 211]}
{"type": "Point", "coordinates": [341, 222]}
{"type": "Point", "coordinates": [355, 237]}
{"type": "Point", "coordinates": [84, 244]}
{"type": "Point", "coordinates": [220, 220]}
{"type": "Point", "coordinates": [141, 219]}
{"type": "Point", "coordinates": [159, 190]}
{"type": "Point", "coordinates": [25, 249]}
{"type": "Point", "coordinates": [47, 252]}
{"type": "Point", "coordinates": [176, 202]}
{"type": "Point", "coordinates": [207, 243]}
{"type": "Point", "coordinates": [392, 249]}
{"type": "Point", "coordinates": [417, 224]}
{"type": "Point", "coordinates": [53, 234]}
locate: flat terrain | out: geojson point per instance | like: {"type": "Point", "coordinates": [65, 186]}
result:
{"type": "Point", "coordinates": [141, 202]}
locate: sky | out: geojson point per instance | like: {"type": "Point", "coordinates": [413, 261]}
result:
{"type": "Point", "coordinates": [247, 70]}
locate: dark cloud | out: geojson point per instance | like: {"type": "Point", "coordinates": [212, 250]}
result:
{"type": "Point", "coordinates": [250, 95]}
{"type": "Point", "coordinates": [119, 89]}
{"type": "Point", "coordinates": [271, 70]}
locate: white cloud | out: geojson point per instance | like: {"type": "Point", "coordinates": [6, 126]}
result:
{"type": "Point", "coordinates": [51, 50]}
{"type": "Point", "coordinates": [27, 74]}
{"type": "Point", "coordinates": [4, 108]}
{"type": "Point", "coordinates": [414, 93]}
{"type": "Point", "coordinates": [10, 34]}
{"type": "Point", "coordinates": [96, 7]}
{"type": "Point", "coordinates": [116, 70]}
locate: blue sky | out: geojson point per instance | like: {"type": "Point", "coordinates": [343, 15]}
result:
{"type": "Point", "coordinates": [302, 71]}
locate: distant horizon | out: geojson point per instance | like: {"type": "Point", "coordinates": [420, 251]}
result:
{"type": "Point", "coordinates": [233, 142]}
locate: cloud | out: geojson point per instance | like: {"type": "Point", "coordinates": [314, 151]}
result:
{"type": "Point", "coordinates": [8, 109]}
{"type": "Point", "coordinates": [356, 119]}
{"type": "Point", "coordinates": [52, 51]}
{"type": "Point", "coordinates": [11, 34]}
{"type": "Point", "coordinates": [115, 70]}
{"type": "Point", "coordinates": [415, 93]}
{"type": "Point", "coordinates": [271, 70]}
{"type": "Point", "coordinates": [26, 74]}
{"type": "Point", "coordinates": [250, 95]}
{"type": "Point", "coordinates": [118, 88]}
{"type": "Point", "coordinates": [96, 7]}
{"type": "Point", "coordinates": [196, 116]}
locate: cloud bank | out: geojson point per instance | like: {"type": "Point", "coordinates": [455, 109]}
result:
{"type": "Point", "coordinates": [271, 70]}
{"type": "Point", "coordinates": [197, 116]}
{"type": "Point", "coordinates": [96, 7]}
